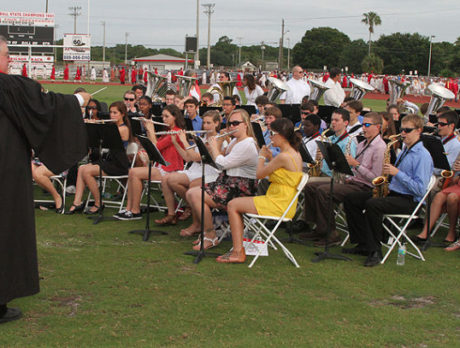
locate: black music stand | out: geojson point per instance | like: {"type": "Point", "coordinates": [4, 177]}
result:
{"type": "Point", "coordinates": [103, 136]}
{"type": "Point", "coordinates": [188, 124]}
{"type": "Point", "coordinates": [206, 159]}
{"type": "Point", "coordinates": [436, 149]}
{"type": "Point", "coordinates": [290, 111]}
{"type": "Point", "coordinates": [336, 161]}
{"type": "Point", "coordinates": [258, 134]}
{"type": "Point", "coordinates": [325, 112]}
{"type": "Point", "coordinates": [154, 156]}
{"type": "Point", "coordinates": [307, 158]}
{"type": "Point", "coordinates": [250, 109]}
{"type": "Point", "coordinates": [137, 128]}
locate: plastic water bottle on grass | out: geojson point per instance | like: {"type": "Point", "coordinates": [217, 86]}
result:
{"type": "Point", "coordinates": [401, 255]}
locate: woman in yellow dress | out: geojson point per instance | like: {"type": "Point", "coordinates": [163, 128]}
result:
{"type": "Point", "coordinates": [284, 171]}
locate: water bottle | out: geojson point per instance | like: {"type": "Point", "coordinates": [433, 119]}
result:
{"type": "Point", "coordinates": [401, 255]}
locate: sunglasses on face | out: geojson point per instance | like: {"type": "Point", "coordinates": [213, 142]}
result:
{"type": "Point", "coordinates": [91, 107]}
{"type": "Point", "coordinates": [406, 130]}
{"type": "Point", "coordinates": [304, 112]}
{"type": "Point", "coordinates": [367, 124]}
{"type": "Point", "coordinates": [130, 99]}
{"type": "Point", "coordinates": [273, 133]}
{"type": "Point", "coordinates": [443, 124]}
{"type": "Point", "coordinates": [234, 123]}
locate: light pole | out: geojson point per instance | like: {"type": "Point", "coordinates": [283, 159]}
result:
{"type": "Point", "coordinates": [289, 54]}
{"type": "Point", "coordinates": [126, 48]}
{"type": "Point", "coordinates": [75, 13]}
{"type": "Point", "coordinates": [209, 11]}
{"type": "Point", "coordinates": [103, 41]}
{"type": "Point", "coordinates": [429, 57]}
{"type": "Point", "coordinates": [197, 53]}
{"type": "Point", "coordinates": [262, 48]}
{"type": "Point", "coordinates": [239, 50]}
{"type": "Point", "coordinates": [46, 9]}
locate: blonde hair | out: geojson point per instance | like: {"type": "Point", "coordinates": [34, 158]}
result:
{"type": "Point", "coordinates": [246, 120]}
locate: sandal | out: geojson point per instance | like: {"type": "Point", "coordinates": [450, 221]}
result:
{"type": "Point", "coordinates": [167, 220]}
{"type": "Point", "coordinates": [213, 243]}
{"type": "Point", "coordinates": [229, 258]}
{"type": "Point", "coordinates": [454, 246]}
{"type": "Point", "coordinates": [76, 209]}
{"type": "Point", "coordinates": [186, 214]}
{"type": "Point", "coordinates": [187, 232]}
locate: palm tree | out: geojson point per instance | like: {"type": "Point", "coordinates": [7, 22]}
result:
{"type": "Point", "coordinates": [371, 19]}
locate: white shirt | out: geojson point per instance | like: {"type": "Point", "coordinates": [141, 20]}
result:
{"type": "Point", "coordinates": [241, 160]}
{"type": "Point", "coordinates": [297, 90]}
{"type": "Point", "coordinates": [357, 131]}
{"type": "Point", "coordinates": [452, 150]}
{"type": "Point", "coordinates": [335, 94]}
{"type": "Point", "coordinates": [105, 76]}
{"type": "Point", "coordinates": [251, 96]}
{"type": "Point", "coordinates": [93, 74]}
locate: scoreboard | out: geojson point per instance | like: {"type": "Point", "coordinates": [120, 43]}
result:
{"type": "Point", "coordinates": [26, 28]}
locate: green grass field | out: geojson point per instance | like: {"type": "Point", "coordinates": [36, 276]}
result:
{"type": "Point", "coordinates": [104, 287]}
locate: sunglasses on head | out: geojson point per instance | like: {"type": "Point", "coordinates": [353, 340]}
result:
{"type": "Point", "coordinates": [130, 99]}
{"type": "Point", "coordinates": [406, 130]}
{"type": "Point", "coordinates": [234, 123]}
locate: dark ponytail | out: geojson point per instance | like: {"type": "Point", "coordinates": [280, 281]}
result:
{"type": "Point", "coordinates": [285, 128]}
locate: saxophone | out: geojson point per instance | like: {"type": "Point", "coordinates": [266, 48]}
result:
{"type": "Point", "coordinates": [314, 169]}
{"type": "Point", "coordinates": [447, 176]}
{"type": "Point", "coordinates": [381, 183]}
{"type": "Point", "coordinates": [340, 177]}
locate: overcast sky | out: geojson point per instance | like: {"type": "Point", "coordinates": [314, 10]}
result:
{"type": "Point", "coordinates": [160, 23]}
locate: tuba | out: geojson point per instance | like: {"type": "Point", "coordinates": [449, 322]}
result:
{"type": "Point", "coordinates": [276, 88]}
{"type": "Point", "coordinates": [381, 182]}
{"type": "Point", "coordinates": [397, 90]}
{"type": "Point", "coordinates": [439, 95]}
{"type": "Point", "coordinates": [157, 86]}
{"type": "Point", "coordinates": [185, 84]}
{"type": "Point", "coordinates": [225, 90]}
{"type": "Point", "coordinates": [318, 89]}
{"type": "Point", "coordinates": [359, 89]}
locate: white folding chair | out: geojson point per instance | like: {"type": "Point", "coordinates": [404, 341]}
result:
{"type": "Point", "coordinates": [256, 223]}
{"type": "Point", "coordinates": [341, 223]}
{"type": "Point", "coordinates": [395, 221]}
{"type": "Point", "coordinates": [121, 180]}
{"type": "Point", "coordinates": [60, 181]}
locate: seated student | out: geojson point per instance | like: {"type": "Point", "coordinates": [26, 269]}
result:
{"type": "Point", "coordinates": [261, 101]}
{"type": "Point", "coordinates": [410, 178]}
{"type": "Point", "coordinates": [354, 127]}
{"type": "Point", "coordinates": [285, 173]}
{"type": "Point", "coordinates": [174, 118]}
{"type": "Point", "coordinates": [311, 126]}
{"type": "Point", "coordinates": [388, 125]}
{"type": "Point", "coordinates": [366, 166]}
{"type": "Point", "coordinates": [191, 112]}
{"type": "Point", "coordinates": [145, 106]}
{"type": "Point", "coordinates": [130, 101]}
{"type": "Point", "coordinates": [271, 114]}
{"type": "Point", "coordinates": [238, 179]}
{"type": "Point", "coordinates": [228, 105]}
{"type": "Point", "coordinates": [179, 182]}
{"type": "Point", "coordinates": [236, 99]}
{"type": "Point", "coordinates": [445, 201]}
{"type": "Point", "coordinates": [41, 175]}
{"type": "Point", "coordinates": [207, 99]}
{"type": "Point", "coordinates": [116, 164]}
{"type": "Point", "coordinates": [92, 110]}
{"type": "Point", "coordinates": [170, 97]}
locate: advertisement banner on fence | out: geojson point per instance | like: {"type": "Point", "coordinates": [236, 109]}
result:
{"type": "Point", "coordinates": [77, 47]}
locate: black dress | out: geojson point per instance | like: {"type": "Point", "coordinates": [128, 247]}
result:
{"type": "Point", "coordinates": [52, 125]}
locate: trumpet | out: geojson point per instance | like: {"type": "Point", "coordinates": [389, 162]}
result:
{"type": "Point", "coordinates": [177, 132]}
{"type": "Point", "coordinates": [143, 119]}
{"type": "Point", "coordinates": [216, 137]}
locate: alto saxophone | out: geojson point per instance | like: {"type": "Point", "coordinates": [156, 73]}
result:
{"type": "Point", "coordinates": [339, 177]}
{"type": "Point", "coordinates": [314, 169]}
{"type": "Point", "coordinates": [381, 182]}
{"type": "Point", "coordinates": [447, 176]}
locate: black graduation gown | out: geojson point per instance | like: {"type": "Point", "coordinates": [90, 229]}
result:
{"type": "Point", "coordinates": [52, 125]}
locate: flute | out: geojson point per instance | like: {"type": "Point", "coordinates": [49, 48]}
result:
{"type": "Point", "coordinates": [186, 132]}
{"type": "Point", "coordinates": [99, 121]}
{"type": "Point", "coordinates": [149, 120]}
{"type": "Point", "coordinates": [216, 137]}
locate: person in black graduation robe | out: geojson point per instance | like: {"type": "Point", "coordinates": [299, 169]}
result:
{"type": "Point", "coordinates": [50, 124]}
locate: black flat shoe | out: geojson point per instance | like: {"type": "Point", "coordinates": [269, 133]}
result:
{"type": "Point", "coordinates": [373, 259]}
{"type": "Point", "coordinates": [10, 315]}
{"type": "Point", "coordinates": [99, 209]}
{"type": "Point", "coordinates": [77, 208]}
{"type": "Point", "coordinates": [417, 239]}
{"type": "Point", "coordinates": [60, 210]}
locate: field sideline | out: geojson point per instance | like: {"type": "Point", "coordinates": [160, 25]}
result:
{"type": "Point", "coordinates": [101, 287]}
